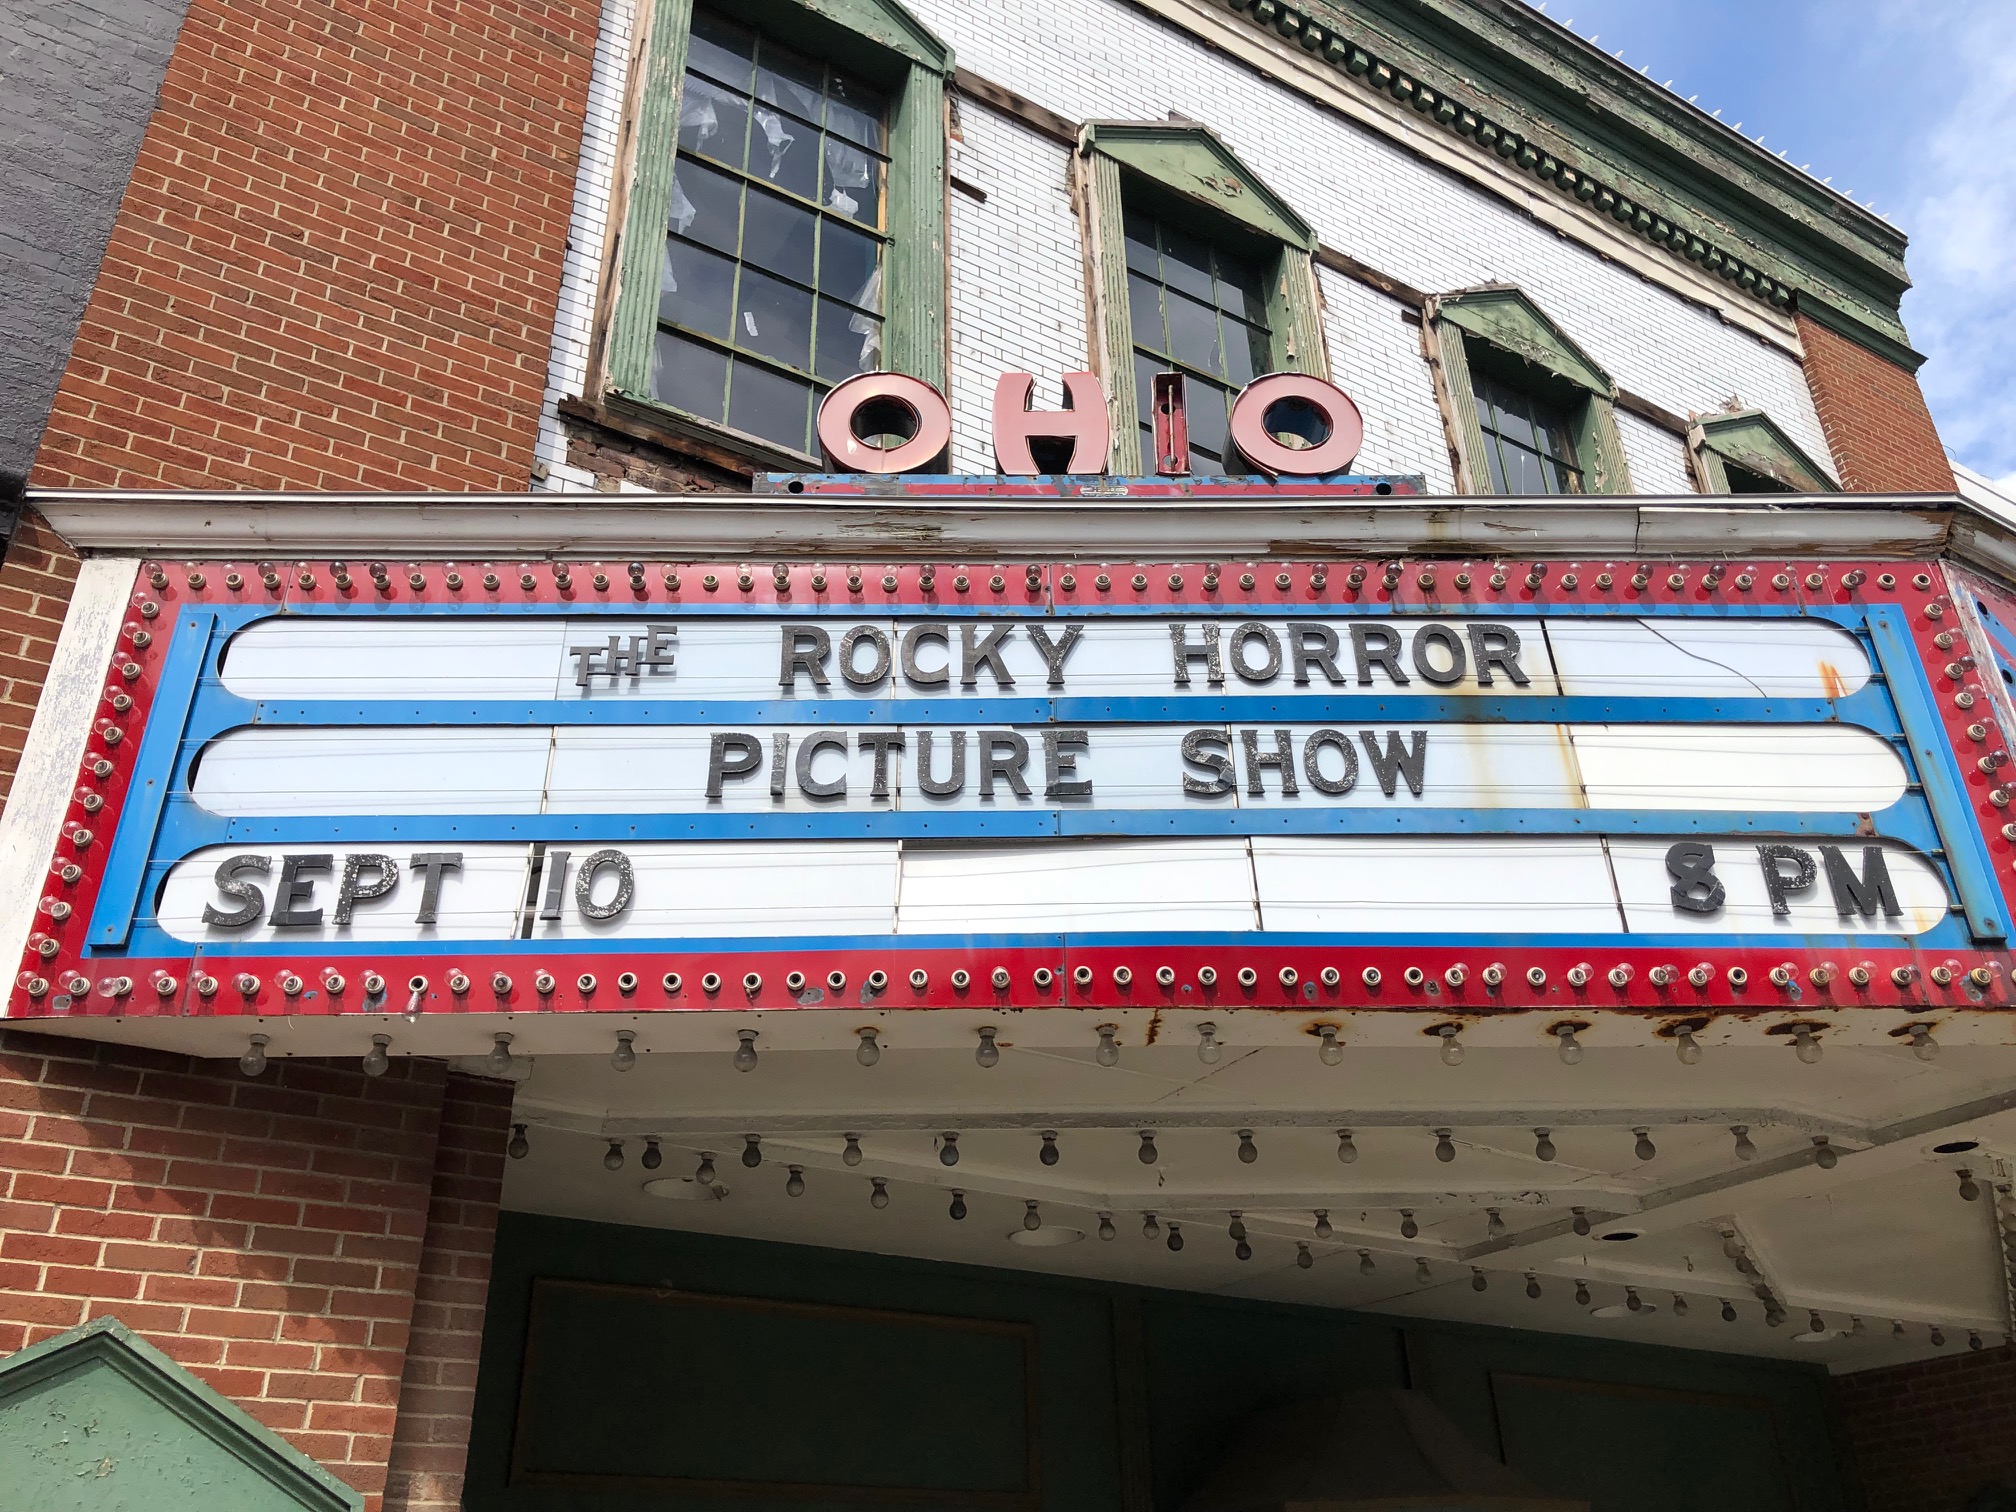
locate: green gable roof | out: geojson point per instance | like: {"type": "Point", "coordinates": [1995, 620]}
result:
{"type": "Point", "coordinates": [96, 1420]}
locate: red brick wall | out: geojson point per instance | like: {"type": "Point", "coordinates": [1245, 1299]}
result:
{"type": "Point", "coordinates": [35, 583]}
{"type": "Point", "coordinates": [1926, 1437]}
{"type": "Point", "coordinates": [338, 259]}
{"type": "Point", "coordinates": [438, 1389]}
{"type": "Point", "coordinates": [269, 1233]}
{"type": "Point", "coordinates": [1875, 417]}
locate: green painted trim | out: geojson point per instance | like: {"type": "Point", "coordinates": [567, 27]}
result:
{"type": "Point", "coordinates": [1532, 93]}
{"type": "Point", "coordinates": [890, 24]}
{"type": "Point", "coordinates": [914, 331]}
{"type": "Point", "coordinates": [1460, 396]}
{"type": "Point", "coordinates": [1846, 324]}
{"type": "Point", "coordinates": [1510, 321]}
{"type": "Point", "coordinates": [1111, 328]}
{"type": "Point", "coordinates": [1753, 440]}
{"type": "Point", "coordinates": [1600, 448]}
{"type": "Point", "coordinates": [634, 320]}
{"type": "Point", "coordinates": [293, 1475]}
{"type": "Point", "coordinates": [1298, 327]}
{"type": "Point", "coordinates": [1190, 161]}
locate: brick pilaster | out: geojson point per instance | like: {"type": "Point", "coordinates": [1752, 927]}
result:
{"type": "Point", "coordinates": [272, 1234]}
{"type": "Point", "coordinates": [1925, 1437]}
{"type": "Point", "coordinates": [1874, 416]}
{"type": "Point", "coordinates": [438, 1390]}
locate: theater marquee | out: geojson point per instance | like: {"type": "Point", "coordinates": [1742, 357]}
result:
{"type": "Point", "coordinates": [316, 787]}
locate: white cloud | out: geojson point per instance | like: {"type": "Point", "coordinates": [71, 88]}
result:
{"type": "Point", "coordinates": [1962, 312]}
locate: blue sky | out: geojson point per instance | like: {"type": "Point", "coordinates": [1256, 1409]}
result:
{"type": "Point", "coordinates": [1909, 104]}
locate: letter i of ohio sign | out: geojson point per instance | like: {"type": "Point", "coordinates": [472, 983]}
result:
{"type": "Point", "coordinates": [1439, 786]}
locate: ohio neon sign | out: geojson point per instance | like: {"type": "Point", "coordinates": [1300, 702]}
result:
{"type": "Point", "coordinates": [1268, 414]}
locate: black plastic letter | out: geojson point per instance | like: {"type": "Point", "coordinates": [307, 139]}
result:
{"type": "Point", "coordinates": [251, 901]}
{"type": "Point", "coordinates": [1496, 646]}
{"type": "Point", "coordinates": [1061, 750]}
{"type": "Point", "coordinates": [956, 779]}
{"type": "Point", "coordinates": [1003, 755]}
{"type": "Point", "coordinates": [808, 750]}
{"type": "Point", "coordinates": [1861, 895]}
{"type": "Point", "coordinates": [1217, 762]}
{"type": "Point", "coordinates": [1179, 643]}
{"type": "Point", "coordinates": [1450, 642]}
{"type": "Point", "coordinates": [731, 755]}
{"type": "Point", "coordinates": [1778, 882]}
{"type": "Point", "coordinates": [1269, 668]}
{"type": "Point", "coordinates": [1053, 654]}
{"type": "Point", "coordinates": [806, 648]}
{"type": "Point", "coordinates": [584, 885]}
{"type": "Point", "coordinates": [1376, 646]}
{"type": "Point", "coordinates": [352, 890]}
{"type": "Point", "coordinates": [1696, 888]}
{"type": "Point", "coordinates": [433, 867]}
{"type": "Point", "coordinates": [296, 889]}
{"type": "Point", "coordinates": [1312, 757]}
{"type": "Point", "coordinates": [1396, 762]}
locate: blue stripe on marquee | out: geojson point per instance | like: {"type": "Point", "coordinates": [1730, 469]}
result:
{"type": "Point", "coordinates": [1966, 852]}
{"type": "Point", "coordinates": [178, 825]}
{"type": "Point", "coordinates": [155, 776]}
{"type": "Point", "coordinates": [150, 940]}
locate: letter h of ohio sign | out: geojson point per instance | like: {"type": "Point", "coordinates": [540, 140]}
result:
{"type": "Point", "coordinates": [1441, 786]}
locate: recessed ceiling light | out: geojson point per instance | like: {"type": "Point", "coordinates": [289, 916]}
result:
{"type": "Point", "coordinates": [1821, 1337]}
{"type": "Point", "coordinates": [1619, 1234]}
{"type": "Point", "coordinates": [685, 1189]}
{"type": "Point", "coordinates": [1619, 1310]}
{"type": "Point", "coordinates": [1047, 1237]}
{"type": "Point", "coordinates": [1956, 1147]}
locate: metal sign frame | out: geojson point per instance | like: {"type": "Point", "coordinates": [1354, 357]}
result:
{"type": "Point", "coordinates": [95, 951]}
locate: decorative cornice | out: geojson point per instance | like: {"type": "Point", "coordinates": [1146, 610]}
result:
{"type": "Point", "coordinates": [1524, 89]}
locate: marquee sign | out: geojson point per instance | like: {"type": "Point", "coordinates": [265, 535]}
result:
{"type": "Point", "coordinates": [315, 787]}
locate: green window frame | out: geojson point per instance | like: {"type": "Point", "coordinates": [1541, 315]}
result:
{"type": "Point", "coordinates": [1501, 366]}
{"type": "Point", "coordinates": [826, 49]}
{"type": "Point", "coordinates": [1181, 179]}
{"type": "Point", "coordinates": [1199, 309]}
{"type": "Point", "coordinates": [1745, 451]}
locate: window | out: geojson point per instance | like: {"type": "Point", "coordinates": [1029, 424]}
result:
{"type": "Point", "coordinates": [1745, 451]}
{"type": "Point", "coordinates": [785, 229]}
{"type": "Point", "coordinates": [1199, 269]}
{"type": "Point", "coordinates": [1528, 411]}
{"type": "Point", "coordinates": [1527, 446]}
{"type": "Point", "coordinates": [1742, 480]}
{"type": "Point", "coordinates": [771, 289]}
{"type": "Point", "coordinates": [1201, 311]}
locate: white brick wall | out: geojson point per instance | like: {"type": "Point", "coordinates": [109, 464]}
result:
{"type": "Point", "coordinates": [573, 325]}
{"type": "Point", "coordinates": [1017, 293]}
{"type": "Point", "coordinates": [1018, 281]}
{"type": "Point", "coordinates": [1657, 458]}
{"type": "Point", "coordinates": [1375, 357]}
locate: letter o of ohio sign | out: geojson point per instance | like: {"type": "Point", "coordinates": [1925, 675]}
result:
{"type": "Point", "coordinates": [924, 405]}
{"type": "Point", "coordinates": [1331, 407]}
